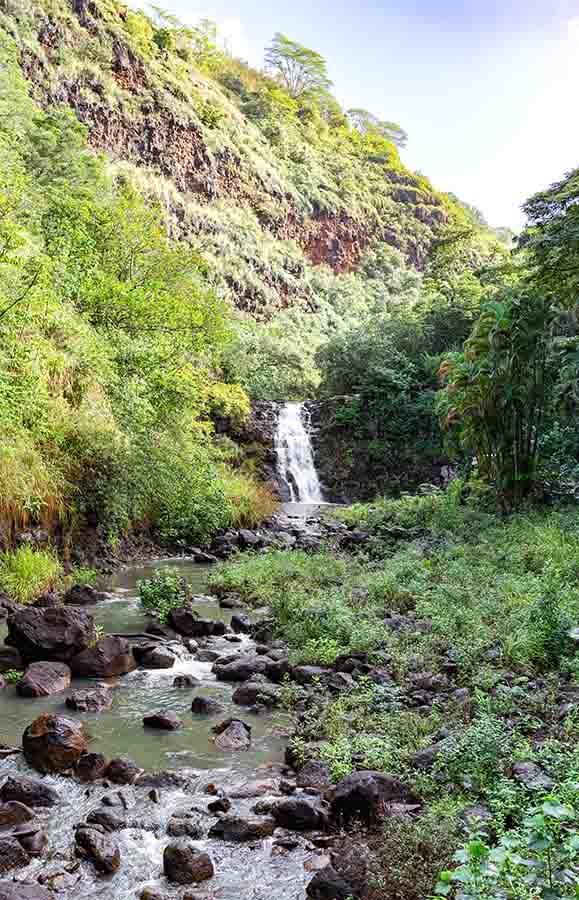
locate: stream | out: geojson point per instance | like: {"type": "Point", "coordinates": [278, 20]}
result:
{"type": "Point", "coordinates": [260, 871]}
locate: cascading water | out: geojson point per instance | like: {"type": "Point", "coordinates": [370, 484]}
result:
{"type": "Point", "coordinates": [295, 455]}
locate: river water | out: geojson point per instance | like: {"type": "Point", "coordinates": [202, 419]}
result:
{"type": "Point", "coordinates": [258, 871]}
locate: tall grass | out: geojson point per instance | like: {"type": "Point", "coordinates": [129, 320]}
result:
{"type": "Point", "coordinates": [26, 574]}
{"type": "Point", "coordinates": [251, 501]}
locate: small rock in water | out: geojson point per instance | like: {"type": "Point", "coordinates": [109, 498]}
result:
{"type": "Point", "coordinates": [243, 828]}
{"type": "Point", "coordinates": [93, 701]}
{"type": "Point", "coordinates": [97, 848]}
{"type": "Point", "coordinates": [14, 813]}
{"type": "Point", "coordinates": [185, 681]}
{"type": "Point", "coordinates": [185, 826]}
{"type": "Point", "coordinates": [12, 854]}
{"type": "Point", "coordinates": [54, 743]}
{"type": "Point", "coordinates": [11, 891]}
{"type": "Point", "coordinates": [122, 771]}
{"type": "Point", "coordinates": [232, 734]}
{"type": "Point", "coordinates": [206, 706]}
{"type": "Point", "coordinates": [42, 679]}
{"type": "Point", "coordinates": [328, 885]}
{"type": "Point", "coordinates": [28, 791]}
{"type": "Point", "coordinates": [164, 719]}
{"type": "Point", "coordinates": [184, 864]}
{"type": "Point", "coordinates": [91, 766]}
{"type": "Point", "coordinates": [221, 805]}
{"type": "Point", "coordinates": [107, 820]}
{"type": "Point", "coordinates": [32, 839]}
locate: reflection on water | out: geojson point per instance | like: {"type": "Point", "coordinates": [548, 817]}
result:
{"type": "Point", "coordinates": [119, 731]}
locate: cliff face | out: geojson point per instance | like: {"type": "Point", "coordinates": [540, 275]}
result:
{"type": "Point", "coordinates": [189, 141]}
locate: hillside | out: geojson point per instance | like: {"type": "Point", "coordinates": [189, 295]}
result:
{"type": "Point", "coordinates": [263, 186]}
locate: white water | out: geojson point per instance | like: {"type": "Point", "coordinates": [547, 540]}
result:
{"type": "Point", "coordinates": [295, 455]}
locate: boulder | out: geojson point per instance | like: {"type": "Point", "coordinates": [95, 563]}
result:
{"type": "Point", "coordinates": [110, 656]}
{"type": "Point", "coordinates": [185, 681]}
{"type": "Point", "coordinates": [220, 805]}
{"type": "Point", "coordinates": [9, 890]}
{"type": "Point", "coordinates": [315, 774]}
{"type": "Point", "coordinates": [328, 885]}
{"type": "Point", "coordinates": [29, 791]}
{"type": "Point", "coordinates": [206, 706]}
{"type": "Point", "coordinates": [252, 693]}
{"type": "Point", "coordinates": [241, 623]}
{"type": "Point", "coordinates": [308, 674]}
{"type": "Point", "coordinates": [532, 776]}
{"type": "Point", "coordinates": [10, 659]}
{"type": "Point", "coordinates": [56, 635]}
{"type": "Point", "coordinates": [12, 853]}
{"type": "Point", "coordinates": [185, 826]}
{"type": "Point", "coordinates": [91, 701]}
{"type": "Point", "coordinates": [186, 622]}
{"type": "Point", "coordinates": [299, 813]}
{"type": "Point", "coordinates": [107, 820]}
{"type": "Point", "coordinates": [184, 864]}
{"type": "Point", "coordinates": [241, 668]}
{"type": "Point", "coordinates": [122, 771]}
{"type": "Point", "coordinates": [54, 743]}
{"type": "Point", "coordinates": [164, 720]}
{"type": "Point", "coordinates": [277, 669]}
{"type": "Point", "coordinates": [232, 734]}
{"type": "Point", "coordinates": [14, 813]}
{"type": "Point", "coordinates": [98, 848]}
{"type": "Point", "coordinates": [243, 828]}
{"type": "Point", "coordinates": [32, 839]}
{"type": "Point", "coordinates": [157, 629]}
{"type": "Point", "coordinates": [363, 795]}
{"type": "Point", "coordinates": [425, 758]}
{"type": "Point", "coordinates": [153, 656]}
{"type": "Point", "coordinates": [91, 767]}
{"type": "Point", "coordinates": [82, 595]}
{"type": "Point", "coordinates": [42, 679]}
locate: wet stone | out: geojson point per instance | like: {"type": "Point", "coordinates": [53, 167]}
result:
{"type": "Point", "coordinates": [184, 864]}
{"type": "Point", "coordinates": [164, 720]}
{"type": "Point", "coordinates": [98, 849]}
{"type": "Point", "coordinates": [12, 854]}
{"type": "Point", "coordinates": [29, 791]}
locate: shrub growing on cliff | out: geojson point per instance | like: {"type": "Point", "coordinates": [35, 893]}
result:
{"type": "Point", "coordinates": [26, 574]}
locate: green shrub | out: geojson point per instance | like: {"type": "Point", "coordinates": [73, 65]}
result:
{"type": "Point", "coordinates": [26, 574]}
{"type": "Point", "coordinates": [163, 591]}
{"type": "Point", "coordinates": [12, 676]}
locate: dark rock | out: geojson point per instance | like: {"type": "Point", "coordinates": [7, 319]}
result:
{"type": "Point", "coordinates": [29, 791]}
{"type": "Point", "coordinates": [328, 885]}
{"type": "Point", "coordinates": [185, 826]}
{"type": "Point", "coordinates": [277, 669]}
{"type": "Point", "coordinates": [10, 659]}
{"type": "Point", "coordinates": [243, 828]}
{"type": "Point", "coordinates": [299, 813]}
{"type": "Point", "coordinates": [353, 539]}
{"type": "Point", "coordinates": [308, 674]}
{"type": "Point", "coordinates": [232, 734]}
{"type": "Point", "coordinates": [163, 719]}
{"type": "Point", "coordinates": [108, 657]}
{"type": "Point", "coordinates": [91, 701]}
{"type": "Point", "coordinates": [159, 630]}
{"type": "Point", "coordinates": [185, 681]}
{"type": "Point", "coordinates": [42, 679]}
{"type": "Point", "coordinates": [336, 682]}
{"type": "Point", "coordinates": [363, 795]}
{"type": "Point", "coordinates": [315, 774]}
{"type": "Point", "coordinates": [249, 540]}
{"type": "Point", "coordinates": [165, 778]}
{"type": "Point", "coordinates": [56, 635]}
{"type": "Point", "coordinates": [252, 693]}
{"type": "Point", "coordinates": [207, 655]}
{"type": "Point", "coordinates": [107, 820]}
{"type": "Point", "coordinates": [241, 668]}
{"type": "Point", "coordinates": [49, 600]}
{"type": "Point", "coordinates": [186, 622]}
{"type": "Point", "coordinates": [32, 839]}
{"type": "Point", "coordinates": [91, 767]}
{"type": "Point", "coordinates": [425, 758]}
{"type": "Point", "coordinates": [221, 805]}
{"type": "Point", "coordinates": [14, 813]}
{"type": "Point", "coordinates": [230, 601]}
{"type": "Point", "coordinates": [122, 771]}
{"type": "Point", "coordinates": [206, 706]}
{"type": "Point", "coordinates": [54, 743]}
{"type": "Point", "coordinates": [184, 864]}
{"type": "Point", "coordinates": [82, 595]}
{"type": "Point", "coordinates": [11, 891]}
{"type": "Point", "coordinates": [241, 623]}
{"type": "Point", "coordinates": [12, 854]}
{"type": "Point", "coordinates": [98, 849]}
{"type": "Point", "coordinates": [151, 656]}
{"type": "Point", "coordinates": [532, 776]}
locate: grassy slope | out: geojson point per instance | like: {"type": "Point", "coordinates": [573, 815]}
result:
{"type": "Point", "coordinates": [264, 194]}
{"type": "Point", "coordinates": [482, 662]}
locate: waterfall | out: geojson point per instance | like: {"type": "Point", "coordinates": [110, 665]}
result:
{"type": "Point", "coordinates": [295, 455]}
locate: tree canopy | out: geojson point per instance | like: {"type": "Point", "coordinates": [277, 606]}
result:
{"type": "Point", "coordinates": [302, 72]}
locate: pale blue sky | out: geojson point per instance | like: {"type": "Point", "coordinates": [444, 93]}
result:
{"type": "Point", "coordinates": [486, 91]}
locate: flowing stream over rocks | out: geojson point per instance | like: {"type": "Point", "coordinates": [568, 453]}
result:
{"type": "Point", "coordinates": [262, 869]}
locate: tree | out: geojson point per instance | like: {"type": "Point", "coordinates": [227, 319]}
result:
{"type": "Point", "coordinates": [302, 72]}
{"type": "Point", "coordinates": [494, 395]}
{"type": "Point", "coordinates": [368, 124]}
{"type": "Point", "coordinates": [552, 237]}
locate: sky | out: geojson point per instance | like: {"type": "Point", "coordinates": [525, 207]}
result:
{"type": "Point", "coordinates": [486, 90]}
